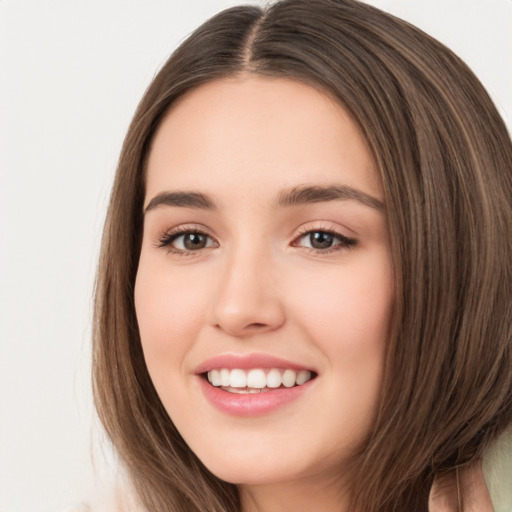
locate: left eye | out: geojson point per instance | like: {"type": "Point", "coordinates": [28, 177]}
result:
{"type": "Point", "coordinates": [323, 240]}
{"type": "Point", "coordinates": [189, 241]}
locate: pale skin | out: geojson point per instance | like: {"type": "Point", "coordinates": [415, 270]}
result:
{"type": "Point", "coordinates": [231, 264]}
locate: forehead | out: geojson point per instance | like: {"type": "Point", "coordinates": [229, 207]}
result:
{"type": "Point", "coordinates": [260, 131]}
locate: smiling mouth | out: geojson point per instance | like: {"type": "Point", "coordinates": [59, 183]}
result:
{"type": "Point", "coordinates": [256, 380]}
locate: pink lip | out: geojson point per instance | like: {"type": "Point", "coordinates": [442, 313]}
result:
{"type": "Point", "coordinates": [251, 404]}
{"type": "Point", "coordinates": [246, 362]}
{"type": "Point", "coordinates": [257, 404]}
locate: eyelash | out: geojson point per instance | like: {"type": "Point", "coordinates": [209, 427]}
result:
{"type": "Point", "coordinates": [167, 238]}
{"type": "Point", "coordinates": [344, 241]}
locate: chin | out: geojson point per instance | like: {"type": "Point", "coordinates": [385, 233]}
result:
{"type": "Point", "coordinates": [254, 472]}
{"type": "Point", "coordinates": [267, 461]}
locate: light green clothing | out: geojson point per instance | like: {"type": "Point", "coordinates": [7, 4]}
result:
{"type": "Point", "coordinates": [497, 467]}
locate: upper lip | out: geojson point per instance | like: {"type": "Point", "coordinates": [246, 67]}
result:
{"type": "Point", "coordinates": [246, 362]}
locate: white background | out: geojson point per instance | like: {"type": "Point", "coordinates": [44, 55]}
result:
{"type": "Point", "coordinates": [71, 74]}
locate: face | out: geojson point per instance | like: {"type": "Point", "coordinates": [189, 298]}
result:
{"type": "Point", "coordinates": [264, 288]}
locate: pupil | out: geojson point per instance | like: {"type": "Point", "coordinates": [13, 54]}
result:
{"type": "Point", "coordinates": [321, 240]}
{"type": "Point", "coordinates": [194, 241]}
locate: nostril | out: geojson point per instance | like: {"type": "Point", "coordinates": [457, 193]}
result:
{"type": "Point", "coordinates": [256, 325]}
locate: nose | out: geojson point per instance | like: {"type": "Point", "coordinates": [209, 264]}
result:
{"type": "Point", "coordinates": [248, 299]}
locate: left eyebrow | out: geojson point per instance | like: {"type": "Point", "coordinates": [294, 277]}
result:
{"type": "Point", "coordinates": [300, 195]}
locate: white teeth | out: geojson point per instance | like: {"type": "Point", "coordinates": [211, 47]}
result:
{"type": "Point", "coordinates": [237, 379]}
{"type": "Point", "coordinates": [224, 377]}
{"type": "Point", "coordinates": [256, 379]}
{"type": "Point", "coordinates": [273, 378]}
{"type": "Point", "coordinates": [243, 391]}
{"type": "Point", "coordinates": [214, 377]}
{"type": "Point", "coordinates": [288, 378]}
{"type": "Point", "coordinates": [302, 377]}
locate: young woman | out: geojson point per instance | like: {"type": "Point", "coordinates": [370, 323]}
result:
{"type": "Point", "coordinates": [304, 297]}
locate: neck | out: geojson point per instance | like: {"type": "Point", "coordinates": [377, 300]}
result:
{"type": "Point", "coordinates": [299, 496]}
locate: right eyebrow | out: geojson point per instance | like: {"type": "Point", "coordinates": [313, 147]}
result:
{"type": "Point", "coordinates": [181, 199]}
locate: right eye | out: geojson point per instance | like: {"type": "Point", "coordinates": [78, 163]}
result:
{"type": "Point", "coordinates": [187, 241]}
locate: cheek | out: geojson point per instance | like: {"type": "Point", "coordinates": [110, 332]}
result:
{"type": "Point", "coordinates": [170, 312]}
{"type": "Point", "coordinates": [347, 316]}
{"type": "Point", "coordinates": [349, 306]}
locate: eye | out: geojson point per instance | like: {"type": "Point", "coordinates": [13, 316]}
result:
{"type": "Point", "coordinates": [323, 241]}
{"type": "Point", "coordinates": [186, 241]}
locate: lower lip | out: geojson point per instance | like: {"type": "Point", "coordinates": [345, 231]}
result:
{"type": "Point", "coordinates": [251, 404]}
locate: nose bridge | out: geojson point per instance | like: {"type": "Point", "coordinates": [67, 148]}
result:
{"type": "Point", "coordinates": [247, 299]}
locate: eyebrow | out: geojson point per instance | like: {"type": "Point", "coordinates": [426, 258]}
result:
{"type": "Point", "coordinates": [295, 196]}
{"type": "Point", "coordinates": [317, 194]}
{"type": "Point", "coordinates": [182, 199]}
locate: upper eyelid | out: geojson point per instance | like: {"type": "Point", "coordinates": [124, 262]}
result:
{"type": "Point", "coordinates": [309, 227]}
{"type": "Point", "coordinates": [327, 226]}
{"type": "Point", "coordinates": [186, 228]}
{"type": "Point", "coordinates": [169, 235]}
{"type": "Point", "coordinates": [332, 232]}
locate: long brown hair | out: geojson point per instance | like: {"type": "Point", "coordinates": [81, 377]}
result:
{"type": "Point", "coordinates": [445, 159]}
